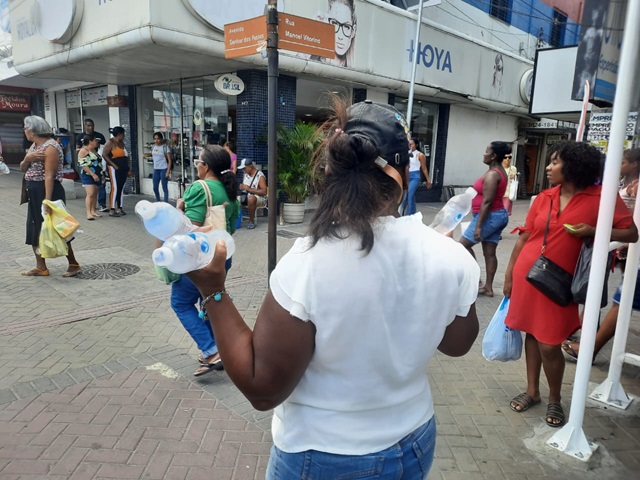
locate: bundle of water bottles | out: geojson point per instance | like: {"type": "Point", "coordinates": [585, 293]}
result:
{"type": "Point", "coordinates": [184, 249]}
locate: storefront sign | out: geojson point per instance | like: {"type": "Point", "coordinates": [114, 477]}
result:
{"type": "Point", "coordinates": [303, 35]}
{"type": "Point", "coordinates": [246, 37]}
{"type": "Point", "coordinates": [600, 126]}
{"type": "Point", "coordinates": [15, 103]}
{"type": "Point", "coordinates": [229, 84]}
{"type": "Point", "coordinates": [545, 123]}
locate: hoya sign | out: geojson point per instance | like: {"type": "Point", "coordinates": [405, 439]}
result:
{"type": "Point", "coordinates": [229, 84]}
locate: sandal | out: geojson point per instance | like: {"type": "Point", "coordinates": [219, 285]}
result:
{"type": "Point", "coordinates": [251, 226]}
{"type": "Point", "coordinates": [555, 415]}
{"type": "Point", "coordinates": [208, 367]}
{"type": "Point", "coordinates": [524, 401]}
{"type": "Point", "coordinates": [36, 272]}
{"type": "Point", "coordinates": [569, 350]}
{"type": "Point", "coordinates": [72, 273]}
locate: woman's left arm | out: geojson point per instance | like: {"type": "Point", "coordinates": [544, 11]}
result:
{"type": "Point", "coordinates": [267, 363]}
{"type": "Point", "coordinates": [423, 166]}
{"type": "Point", "coordinates": [489, 190]}
{"type": "Point", "coordinates": [169, 161]}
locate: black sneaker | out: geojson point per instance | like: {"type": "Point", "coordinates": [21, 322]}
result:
{"type": "Point", "coordinates": [103, 208]}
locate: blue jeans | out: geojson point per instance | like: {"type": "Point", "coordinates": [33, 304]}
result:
{"type": "Point", "coordinates": [158, 176]}
{"type": "Point", "coordinates": [410, 458]}
{"type": "Point", "coordinates": [102, 195]}
{"type": "Point", "coordinates": [414, 183]}
{"type": "Point", "coordinates": [184, 298]}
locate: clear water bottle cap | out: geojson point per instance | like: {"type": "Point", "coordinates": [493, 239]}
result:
{"type": "Point", "coordinates": [145, 209]}
{"type": "Point", "coordinates": [162, 256]}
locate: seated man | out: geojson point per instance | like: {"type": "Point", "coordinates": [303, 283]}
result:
{"type": "Point", "coordinates": [255, 184]}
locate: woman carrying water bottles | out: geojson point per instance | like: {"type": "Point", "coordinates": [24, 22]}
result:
{"type": "Point", "coordinates": [214, 171]}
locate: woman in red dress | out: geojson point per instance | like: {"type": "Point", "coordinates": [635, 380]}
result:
{"type": "Point", "coordinates": [573, 170]}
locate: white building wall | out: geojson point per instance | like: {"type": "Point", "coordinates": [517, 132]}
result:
{"type": "Point", "coordinates": [470, 131]}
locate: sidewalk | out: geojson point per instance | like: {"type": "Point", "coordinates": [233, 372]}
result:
{"type": "Point", "coordinates": [95, 374]}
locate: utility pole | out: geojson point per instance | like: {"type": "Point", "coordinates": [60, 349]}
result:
{"type": "Point", "coordinates": [414, 65]}
{"type": "Point", "coordinates": [272, 89]}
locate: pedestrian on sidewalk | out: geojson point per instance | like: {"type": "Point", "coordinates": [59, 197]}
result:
{"type": "Point", "coordinates": [512, 173]}
{"type": "Point", "coordinates": [42, 167]}
{"type": "Point", "coordinates": [115, 154]}
{"type": "Point", "coordinates": [214, 171]}
{"type": "Point", "coordinates": [90, 163]}
{"type": "Point", "coordinates": [417, 164]}
{"type": "Point", "coordinates": [161, 154]}
{"type": "Point", "coordinates": [573, 200]}
{"type": "Point", "coordinates": [89, 128]}
{"type": "Point", "coordinates": [353, 315]}
{"type": "Point", "coordinates": [489, 214]}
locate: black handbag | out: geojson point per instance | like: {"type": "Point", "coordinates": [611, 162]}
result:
{"type": "Point", "coordinates": [580, 281]}
{"type": "Point", "coordinates": [550, 278]}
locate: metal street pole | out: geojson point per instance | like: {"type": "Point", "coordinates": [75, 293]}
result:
{"type": "Point", "coordinates": [414, 64]}
{"type": "Point", "coordinates": [272, 89]}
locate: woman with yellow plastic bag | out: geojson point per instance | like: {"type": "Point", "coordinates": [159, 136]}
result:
{"type": "Point", "coordinates": [42, 166]}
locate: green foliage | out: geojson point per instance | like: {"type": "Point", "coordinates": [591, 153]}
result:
{"type": "Point", "coordinates": [296, 148]}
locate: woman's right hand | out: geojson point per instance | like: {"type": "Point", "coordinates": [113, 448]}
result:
{"type": "Point", "coordinates": [96, 178]}
{"type": "Point", "coordinates": [34, 157]}
{"type": "Point", "coordinates": [508, 284]}
{"type": "Point", "coordinates": [180, 204]}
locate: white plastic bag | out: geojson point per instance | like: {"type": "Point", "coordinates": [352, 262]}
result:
{"type": "Point", "coordinates": [500, 342]}
{"type": "Point", "coordinates": [4, 170]}
{"type": "Point", "coordinates": [513, 189]}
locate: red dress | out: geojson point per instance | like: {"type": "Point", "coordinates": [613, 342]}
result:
{"type": "Point", "coordinates": [529, 310]}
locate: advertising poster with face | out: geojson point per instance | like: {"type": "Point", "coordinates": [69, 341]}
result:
{"type": "Point", "coordinates": [342, 15]}
{"type": "Point", "coordinates": [595, 13]}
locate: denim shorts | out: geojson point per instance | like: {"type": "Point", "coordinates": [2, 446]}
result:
{"type": "Point", "coordinates": [88, 180]}
{"type": "Point", "coordinates": [412, 457]}
{"type": "Point", "coordinates": [492, 227]}
{"type": "Point", "coordinates": [636, 295]}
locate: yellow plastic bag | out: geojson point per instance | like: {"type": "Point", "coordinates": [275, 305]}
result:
{"type": "Point", "coordinates": [51, 244]}
{"type": "Point", "coordinates": [63, 222]}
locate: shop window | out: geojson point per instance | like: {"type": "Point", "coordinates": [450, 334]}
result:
{"type": "Point", "coordinates": [189, 114]}
{"type": "Point", "coordinates": [424, 127]}
{"type": "Point", "coordinates": [558, 28]}
{"type": "Point", "coordinates": [501, 9]}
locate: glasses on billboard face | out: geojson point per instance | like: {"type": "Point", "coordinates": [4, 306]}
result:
{"type": "Point", "coordinates": [347, 28]}
{"type": "Point", "coordinates": [508, 157]}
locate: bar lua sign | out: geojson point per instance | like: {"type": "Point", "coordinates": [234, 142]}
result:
{"type": "Point", "coordinates": [15, 103]}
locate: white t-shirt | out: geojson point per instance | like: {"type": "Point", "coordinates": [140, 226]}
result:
{"type": "Point", "coordinates": [159, 155]}
{"type": "Point", "coordinates": [379, 319]}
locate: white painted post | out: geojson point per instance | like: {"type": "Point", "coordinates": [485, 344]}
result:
{"type": "Point", "coordinates": [571, 438]}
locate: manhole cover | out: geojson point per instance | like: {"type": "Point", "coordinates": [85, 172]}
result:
{"type": "Point", "coordinates": [108, 271]}
{"type": "Point", "coordinates": [289, 234]}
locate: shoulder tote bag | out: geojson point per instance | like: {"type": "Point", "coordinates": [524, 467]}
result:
{"type": "Point", "coordinates": [549, 277]}
{"type": "Point", "coordinates": [216, 214]}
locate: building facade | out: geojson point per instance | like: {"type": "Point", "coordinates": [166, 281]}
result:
{"type": "Point", "coordinates": [159, 65]}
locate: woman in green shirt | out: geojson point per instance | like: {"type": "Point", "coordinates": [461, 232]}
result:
{"type": "Point", "coordinates": [214, 168]}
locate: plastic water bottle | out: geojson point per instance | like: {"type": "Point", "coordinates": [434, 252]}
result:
{"type": "Point", "coordinates": [163, 220]}
{"type": "Point", "coordinates": [186, 253]}
{"type": "Point", "coordinates": [453, 212]}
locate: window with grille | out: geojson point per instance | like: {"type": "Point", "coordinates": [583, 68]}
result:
{"type": "Point", "coordinates": [558, 27]}
{"type": "Point", "coordinates": [501, 9]}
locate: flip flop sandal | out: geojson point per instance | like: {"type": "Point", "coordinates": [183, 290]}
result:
{"type": "Point", "coordinates": [208, 367]}
{"type": "Point", "coordinates": [569, 350]}
{"type": "Point", "coordinates": [36, 272]}
{"type": "Point", "coordinates": [524, 401]}
{"type": "Point", "coordinates": [554, 412]}
{"type": "Point", "coordinates": [74, 273]}
{"type": "Point", "coordinates": [251, 226]}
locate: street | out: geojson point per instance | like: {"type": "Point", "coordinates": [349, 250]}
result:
{"type": "Point", "coordinates": [96, 373]}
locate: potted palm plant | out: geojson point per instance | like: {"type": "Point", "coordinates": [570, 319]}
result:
{"type": "Point", "coordinates": [296, 148]}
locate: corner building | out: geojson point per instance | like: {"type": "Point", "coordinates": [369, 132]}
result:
{"type": "Point", "coordinates": [159, 65]}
